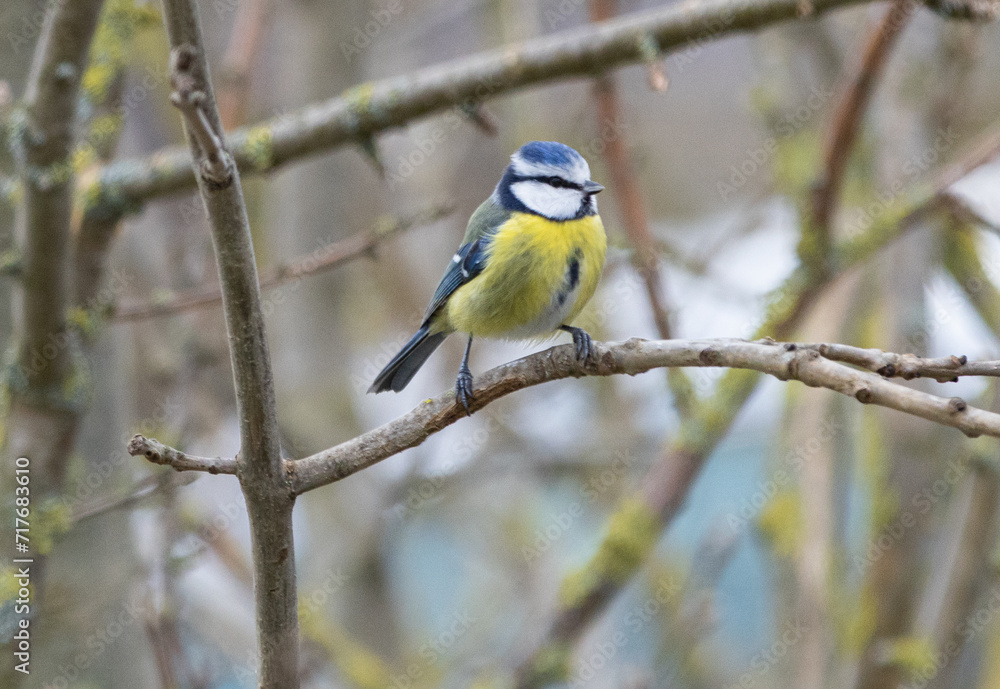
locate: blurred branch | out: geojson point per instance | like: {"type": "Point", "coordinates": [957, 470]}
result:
{"type": "Point", "coordinates": [975, 10]}
{"type": "Point", "coordinates": [43, 415]}
{"type": "Point", "coordinates": [962, 259]}
{"type": "Point", "coordinates": [628, 193]}
{"type": "Point", "coordinates": [322, 259]}
{"type": "Point", "coordinates": [147, 487]}
{"type": "Point", "coordinates": [259, 465]}
{"type": "Point", "coordinates": [966, 566]}
{"type": "Point", "coordinates": [783, 361]}
{"type": "Point", "coordinates": [158, 453]}
{"type": "Point", "coordinates": [848, 115]}
{"type": "Point", "coordinates": [241, 55]}
{"type": "Point", "coordinates": [375, 107]}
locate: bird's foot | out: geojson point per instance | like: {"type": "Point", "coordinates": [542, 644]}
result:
{"type": "Point", "coordinates": [582, 341]}
{"type": "Point", "coordinates": [463, 389]}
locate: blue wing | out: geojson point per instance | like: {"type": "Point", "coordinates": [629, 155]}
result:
{"type": "Point", "coordinates": [464, 267]}
{"type": "Point", "coordinates": [472, 255]}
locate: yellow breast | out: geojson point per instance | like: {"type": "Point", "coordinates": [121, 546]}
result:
{"type": "Point", "coordinates": [529, 286]}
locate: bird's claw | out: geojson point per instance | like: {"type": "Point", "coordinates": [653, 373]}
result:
{"type": "Point", "coordinates": [584, 345]}
{"type": "Point", "coordinates": [463, 389]}
{"type": "Point", "coordinates": [585, 352]}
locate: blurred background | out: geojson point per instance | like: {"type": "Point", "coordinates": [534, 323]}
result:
{"type": "Point", "coordinates": [823, 544]}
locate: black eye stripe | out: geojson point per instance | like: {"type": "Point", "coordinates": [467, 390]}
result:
{"type": "Point", "coordinates": [558, 183]}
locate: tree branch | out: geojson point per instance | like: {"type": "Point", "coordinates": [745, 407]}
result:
{"type": "Point", "coordinates": [259, 465]}
{"type": "Point", "coordinates": [322, 259]}
{"type": "Point", "coordinates": [847, 118]}
{"type": "Point", "coordinates": [804, 363]}
{"type": "Point", "coordinates": [158, 453]}
{"type": "Point", "coordinates": [373, 108]}
{"type": "Point", "coordinates": [908, 366]}
{"type": "Point", "coordinates": [45, 408]}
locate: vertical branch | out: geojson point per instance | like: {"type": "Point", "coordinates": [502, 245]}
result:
{"type": "Point", "coordinates": [847, 118]}
{"type": "Point", "coordinates": [244, 46]}
{"type": "Point", "coordinates": [259, 468]}
{"type": "Point", "coordinates": [44, 402]}
{"type": "Point", "coordinates": [627, 190]}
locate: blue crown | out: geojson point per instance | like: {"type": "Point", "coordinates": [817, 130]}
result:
{"type": "Point", "coordinates": [549, 153]}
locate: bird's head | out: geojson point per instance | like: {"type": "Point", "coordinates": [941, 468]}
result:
{"type": "Point", "coordinates": [550, 179]}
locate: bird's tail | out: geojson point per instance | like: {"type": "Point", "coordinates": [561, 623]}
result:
{"type": "Point", "coordinates": [404, 365]}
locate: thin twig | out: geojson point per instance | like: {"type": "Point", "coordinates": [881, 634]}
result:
{"type": "Point", "coordinates": [783, 361]}
{"type": "Point", "coordinates": [908, 366]}
{"type": "Point", "coordinates": [147, 487]}
{"type": "Point", "coordinates": [322, 259]}
{"type": "Point", "coordinates": [847, 118]}
{"type": "Point", "coordinates": [158, 453]}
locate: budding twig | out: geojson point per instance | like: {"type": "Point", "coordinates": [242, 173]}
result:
{"type": "Point", "coordinates": [216, 164]}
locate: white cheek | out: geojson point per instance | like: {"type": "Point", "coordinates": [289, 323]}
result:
{"type": "Point", "coordinates": [559, 204]}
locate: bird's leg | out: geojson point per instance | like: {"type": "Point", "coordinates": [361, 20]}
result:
{"type": "Point", "coordinates": [584, 345]}
{"type": "Point", "coordinates": [463, 385]}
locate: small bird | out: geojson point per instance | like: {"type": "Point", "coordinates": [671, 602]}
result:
{"type": "Point", "coordinates": [530, 260]}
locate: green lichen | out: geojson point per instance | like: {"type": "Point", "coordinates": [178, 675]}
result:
{"type": "Point", "coordinates": [780, 521]}
{"type": "Point", "coordinates": [259, 148]}
{"type": "Point", "coordinates": [11, 262]}
{"type": "Point", "coordinates": [796, 159]}
{"type": "Point", "coordinates": [875, 466]}
{"type": "Point", "coordinates": [360, 96]}
{"type": "Point", "coordinates": [631, 534]}
{"type": "Point", "coordinates": [910, 653]}
{"type": "Point", "coordinates": [860, 623]}
{"type": "Point", "coordinates": [713, 417]}
{"type": "Point", "coordinates": [360, 666]}
{"type": "Point", "coordinates": [49, 521]}
{"type": "Point", "coordinates": [549, 666]}
{"type": "Point", "coordinates": [120, 21]}
{"type": "Point", "coordinates": [8, 586]}
{"type": "Point", "coordinates": [87, 322]}
{"type": "Point", "coordinates": [78, 385]}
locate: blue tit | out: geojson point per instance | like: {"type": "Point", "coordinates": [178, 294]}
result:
{"type": "Point", "coordinates": [530, 260]}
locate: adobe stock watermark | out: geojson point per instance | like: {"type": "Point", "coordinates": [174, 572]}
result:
{"type": "Point", "coordinates": [790, 466]}
{"type": "Point", "coordinates": [319, 596]}
{"type": "Point", "coordinates": [559, 523]}
{"type": "Point", "coordinates": [602, 653]}
{"type": "Point", "coordinates": [920, 504]}
{"type": "Point", "coordinates": [714, 27]}
{"type": "Point", "coordinates": [31, 26]}
{"type": "Point", "coordinates": [99, 472]}
{"type": "Point", "coordinates": [40, 358]}
{"type": "Point", "coordinates": [431, 651]}
{"type": "Point", "coordinates": [787, 126]}
{"type": "Point", "coordinates": [98, 641]}
{"type": "Point", "coordinates": [377, 21]}
{"type": "Point", "coordinates": [764, 661]}
{"type": "Point", "coordinates": [968, 629]}
{"type": "Point", "coordinates": [428, 144]}
{"type": "Point", "coordinates": [913, 169]}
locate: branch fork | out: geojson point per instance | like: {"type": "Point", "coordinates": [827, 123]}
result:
{"type": "Point", "coordinates": [217, 165]}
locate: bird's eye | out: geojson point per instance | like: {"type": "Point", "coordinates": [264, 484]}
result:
{"type": "Point", "coordinates": [557, 182]}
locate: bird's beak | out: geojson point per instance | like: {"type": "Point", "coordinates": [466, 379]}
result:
{"type": "Point", "coordinates": [592, 187]}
